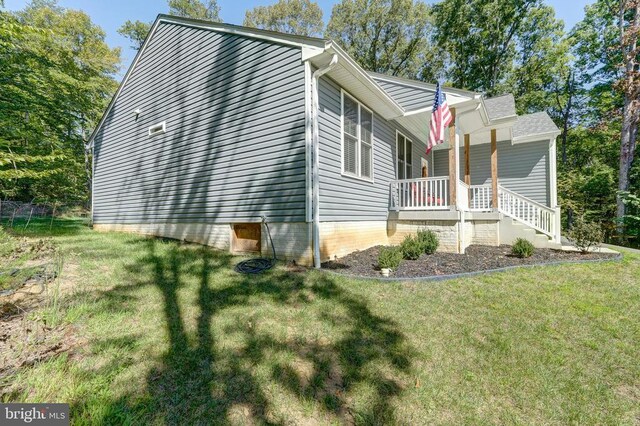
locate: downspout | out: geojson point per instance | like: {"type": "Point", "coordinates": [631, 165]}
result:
{"type": "Point", "coordinates": [315, 142]}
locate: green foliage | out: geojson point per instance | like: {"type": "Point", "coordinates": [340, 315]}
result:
{"type": "Point", "coordinates": [585, 235]}
{"type": "Point", "coordinates": [135, 31]}
{"type": "Point", "coordinates": [196, 9]}
{"type": "Point", "coordinates": [522, 248]}
{"type": "Point", "coordinates": [389, 257]}
{"type": "Point", "coordinates": [58, 76]}
{"type": "Point", "coordinates": [428, 240]}
{"type": "Point", "coordinates": [632, 217]}
{"type": "Point", "coordinates": [301, 17]}
{"type": "Point", "coordinates": [411, 248]}
{"type": "Point", "coordinates": [502, 46]}
{"type": "Point", "coordinates": [385, 36]}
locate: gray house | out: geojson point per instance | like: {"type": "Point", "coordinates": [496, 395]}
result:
{"type": "Point", "coordinates": [217, 126]}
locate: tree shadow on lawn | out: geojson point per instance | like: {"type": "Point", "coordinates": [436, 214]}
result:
{"type": "Point", "coordinates": [203, 378]}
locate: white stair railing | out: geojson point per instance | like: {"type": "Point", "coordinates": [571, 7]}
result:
{"type": "Point", "coordinates": [527, 211]}
{"type": "Point", "coordinates": [420, 194]}
{"type": "Point", "coordinates": [480, 198]}
{"type": "Point", "coordinates": [462, 196]}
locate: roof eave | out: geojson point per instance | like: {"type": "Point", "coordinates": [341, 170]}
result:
{"type": "Point", "coordinates": [537, 137]}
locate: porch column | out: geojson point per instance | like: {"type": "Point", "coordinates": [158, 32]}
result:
{"type": "Point", "coordinates": [467, 167]}
{"type": "Point", "coordinates": [494, 169]}
{"type": "Point", "coordinates": [467, 148]}
{"type": "Point", "coordinates": [453, 181]}
{"type": "Point", "coordinates": [553, 191]}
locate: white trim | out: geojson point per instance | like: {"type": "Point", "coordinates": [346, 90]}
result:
{"type": "Point", "coordinates": [157, 129]}
{"type": "Point", "coordinates": [536, 137]}
{"type": "Point", "coordinates": [315, 105]}
{"type": "Point", "coordinates": [274, 36]}
{"type": "Point", "coordinates": [361, 75]}
{"type": "Point", "coordinates": [423, 85]}
{"type": "Point", "coordinates": [308, 141]}
{"type": "Point", "coordinates": [359, 141]}
{"type": "Point", "coordinates": [406, 139]}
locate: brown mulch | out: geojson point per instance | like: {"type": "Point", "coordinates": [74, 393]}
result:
{"type": "Point", "coordinates": [477, 258]}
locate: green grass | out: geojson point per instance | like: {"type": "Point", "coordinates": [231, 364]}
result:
{"type": "Point", "coordinates": [173, 335]}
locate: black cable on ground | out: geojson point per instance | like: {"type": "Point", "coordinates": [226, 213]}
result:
{"type": "Point", "coordinates": [261, 264]}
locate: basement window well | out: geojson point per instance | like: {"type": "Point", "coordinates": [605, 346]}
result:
{"type": "Point", "coordinates": [157, 129]}
{"type": "Point", "coordinates": [245, 238]}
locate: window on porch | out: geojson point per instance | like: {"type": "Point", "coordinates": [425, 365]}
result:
{"type": "Point", "coordinates": [404, 149]}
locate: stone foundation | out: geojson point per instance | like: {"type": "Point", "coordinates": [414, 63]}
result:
{"type": "Point", "coordinates": [293, 241]}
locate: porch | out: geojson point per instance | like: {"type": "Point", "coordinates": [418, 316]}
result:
{"type": "Point", "coordinates": [432, 196]}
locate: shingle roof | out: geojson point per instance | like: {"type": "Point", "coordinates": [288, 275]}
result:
{"type": "Point", "coordinates": [500, 107]}
{"type": "Point", "coordinates": [533, 124]}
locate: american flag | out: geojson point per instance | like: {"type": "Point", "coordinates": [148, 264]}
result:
{"type": "Point", "coordinates": [440, 119]}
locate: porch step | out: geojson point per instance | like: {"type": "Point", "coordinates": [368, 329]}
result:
{"type": "Point", "coordinates": [511, 230]}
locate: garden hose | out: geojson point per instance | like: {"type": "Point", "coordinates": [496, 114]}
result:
{"type": "Point", "coordinates": [260, 264]}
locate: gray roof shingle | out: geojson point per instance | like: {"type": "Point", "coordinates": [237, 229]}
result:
{"type": "Point", "coordinates": [500, 106]}
{"type": "Point", "coordinates": [533, 124]}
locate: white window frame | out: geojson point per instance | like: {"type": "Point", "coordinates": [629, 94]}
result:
{"type": "Point", "coordinates": [361, 106]}
{"type": "Point", "coordinates": [158, 129]}
{"type": "Point", "coordinates": [404, 160]}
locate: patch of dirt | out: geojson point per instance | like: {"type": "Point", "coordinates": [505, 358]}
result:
{"type": "Point", "coordinates": [476, 258]}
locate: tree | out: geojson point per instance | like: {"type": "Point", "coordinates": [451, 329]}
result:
{"type": "Point", "coordinates": [386, 36]}
{"type": "Point", "coordinates": [196, 9]}
{"type": "Point", "coordinates": [57, 77]}
{"type": "Point", "coordinates": [301, 17]}
{"type": "Point", "coordinates": [498, 46]}
{"type": "Point", "coordinates": [629, 26]}
{"type": "Point", "coordinates": [136, 31]}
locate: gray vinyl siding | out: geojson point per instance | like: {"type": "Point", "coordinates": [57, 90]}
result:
{"type": "Point", "coordinates": [409, 97]}
{"type": "Point", "coordinates": [234, 148]}
{"type": "Point", "coordinates": [344, 198]}
{"type": "Point", "coordinates": [522, 168]}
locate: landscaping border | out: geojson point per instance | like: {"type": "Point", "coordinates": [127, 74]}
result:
{"type": "Point", "coordinates": [617, 258]}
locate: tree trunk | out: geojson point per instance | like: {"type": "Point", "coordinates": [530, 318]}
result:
{"type": "Point", "coordinates": [628, 43]}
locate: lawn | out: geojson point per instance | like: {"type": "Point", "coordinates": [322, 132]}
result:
{"type": "Point", "coordinates": [169, 333]}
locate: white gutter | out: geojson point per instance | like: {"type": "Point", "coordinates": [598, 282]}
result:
{"type": "Point", "coordinates": [315, 141]}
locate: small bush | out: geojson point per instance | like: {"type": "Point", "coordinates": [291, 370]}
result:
{"type": "Point", "coordinates": [429, 241]}
{"type": "Point", "coordinates": [7, 243]}
{"type": "Point", "coordinates": [411, 248]}
{"type": "Point", "coordinates": [522, 248]}
{"type": "Point", "coordinates": [585, 235]}
{"type": "Point", "coordinates": [389, 257]}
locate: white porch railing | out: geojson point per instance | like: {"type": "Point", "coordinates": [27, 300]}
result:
{"type": "Point", "coordinates": [480, 198]}
{"type": "Point", "coordinates": [527, 211]}
{"type": "Point", "coordinates": [420, 194]}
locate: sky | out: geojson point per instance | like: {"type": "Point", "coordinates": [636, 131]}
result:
{"type": "Point", "coordinates": [110, 14]}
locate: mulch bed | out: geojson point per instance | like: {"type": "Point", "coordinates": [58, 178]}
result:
{"type": "Point", "coordinates": [477, 258]}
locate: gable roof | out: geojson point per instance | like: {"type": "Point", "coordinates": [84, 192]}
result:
{"type": "Point", "coordinates": [532, 125]}
{"type": "Point", "coordinates": [404, 100]}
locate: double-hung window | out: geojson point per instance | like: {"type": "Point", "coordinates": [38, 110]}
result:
{"type": "Point", "coordinates": [404, 150]}
{"type": "Point", "coordinates": [357, 139]}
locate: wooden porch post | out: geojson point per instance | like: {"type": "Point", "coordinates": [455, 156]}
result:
{"type": "Point", "coordinates": [494, 170]}
{"type": "Point", "coordinates": [453, 184]}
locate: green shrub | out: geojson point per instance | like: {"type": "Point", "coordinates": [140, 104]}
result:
{"type": "Point", "coordinates": [429, 241]}
{"type": "Point", "coordinates": [585, 235]}
{"type": "Point", "coordinates": [411, 248]}
{"type": "Point", "coordinates": [522, 248]}
{"type": "Point", "coordinates": [389, 257]}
